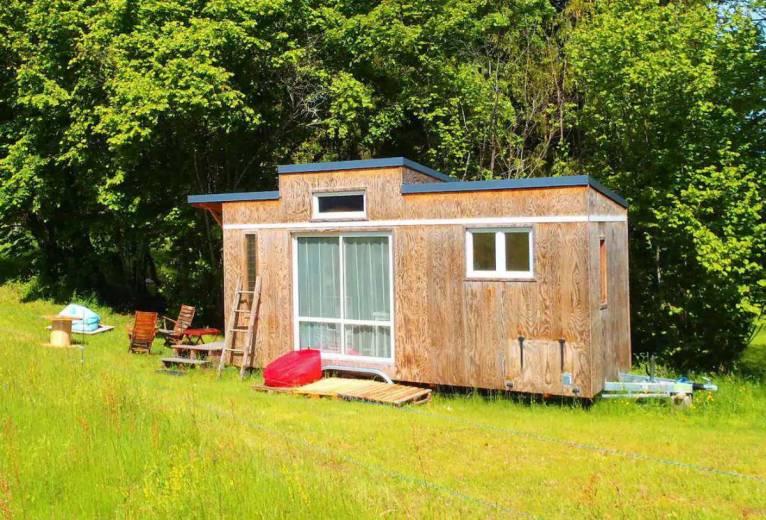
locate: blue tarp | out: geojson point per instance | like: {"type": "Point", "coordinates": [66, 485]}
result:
{"type": "Point", "coordinates": [88, 322]}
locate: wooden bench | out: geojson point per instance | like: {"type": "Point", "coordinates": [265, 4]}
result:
{"type": "Point", "coordinates": [182, 361]}
{"type": "Point", "coordinates": [200, 350]}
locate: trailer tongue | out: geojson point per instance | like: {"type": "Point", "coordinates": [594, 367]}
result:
{"type": "Point", "coordinates": [636, 386]}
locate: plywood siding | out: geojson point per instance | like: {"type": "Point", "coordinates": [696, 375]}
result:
{"type": "Point", "coordinates": [274, 332]}
{"type": "Point", "coordinates": [531, 202]}
{"type": "Point", "coordinates": [414, 177]}
{"type": "Point", "coordinates": [599, 204]}
{"type": "Point", "coordinates": [383, 187]}
{"type": "Point", "coordinates": [456, 331]}
{"type": "Point", "coordinates": [610, 350]}
{"type": "Point", "coordinates": [385, 201]}
{"type": "Point", "coordinates": [448, 329]}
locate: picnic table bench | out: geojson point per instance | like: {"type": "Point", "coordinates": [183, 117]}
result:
{"type": "Point", "coordinates": [198, 351]}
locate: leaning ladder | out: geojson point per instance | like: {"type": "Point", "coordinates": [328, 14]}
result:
{"type": "Point", "coordinates": [240, 306]}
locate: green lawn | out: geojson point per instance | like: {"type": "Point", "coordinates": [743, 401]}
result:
{"type": "Point", "coordinates": [111, 437]}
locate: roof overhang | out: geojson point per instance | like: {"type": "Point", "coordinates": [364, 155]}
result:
{"type": "Point", "coordinates": [515, 184]}
{"type": "Point", "coordinates": [232, 197]}
{"type": "Point", "coordinates": [365, 164]}
{"type": "Point", "coordinates": [213, 202]}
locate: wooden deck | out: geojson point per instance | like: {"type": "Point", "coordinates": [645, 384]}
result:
{"type": "Point", "coordinates": [357, 390]}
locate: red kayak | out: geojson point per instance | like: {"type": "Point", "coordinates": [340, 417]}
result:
{"type": "Point", "coordinates": [296, 368]}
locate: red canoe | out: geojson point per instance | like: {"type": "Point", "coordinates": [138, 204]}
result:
{"type": "Point", "coordinates": [296, 368]}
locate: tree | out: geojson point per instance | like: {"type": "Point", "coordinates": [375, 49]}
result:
{"type": "Point", "coordinates": [672, 116]}
{"type": "Point", "coordinates": [112, 112]}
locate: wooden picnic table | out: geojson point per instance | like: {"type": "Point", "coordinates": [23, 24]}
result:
{"type": "Point", "coordinates": [198, 351]}
{"type": "Point", "coordinates": [196, 336]}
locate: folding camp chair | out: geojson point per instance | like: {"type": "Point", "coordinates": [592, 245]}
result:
{"type": "Point", "coordinates": [175, 335]}
{"type": "Point", "coordinates": [143, 332]}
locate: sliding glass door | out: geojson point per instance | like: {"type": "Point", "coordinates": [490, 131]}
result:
{"type": "Point", "coordinates": [344, 295]}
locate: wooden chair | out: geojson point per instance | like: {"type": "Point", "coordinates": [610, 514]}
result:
{"type": "Point", "coordinates": [143, 332]}
{"type": "Point", "coordinates": [175, 335]}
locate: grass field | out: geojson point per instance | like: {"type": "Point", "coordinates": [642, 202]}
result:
{"type": "Point", "coordinates": [111, 437]}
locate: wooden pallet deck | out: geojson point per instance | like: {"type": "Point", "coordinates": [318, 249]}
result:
{"type": "Point", "coordinates": [357, 390]}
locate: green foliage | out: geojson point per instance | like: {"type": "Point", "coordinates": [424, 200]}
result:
{"type": "Point", "coordinates": [112, 112]}
{"type": "Point", "coordinates": [672, 115]}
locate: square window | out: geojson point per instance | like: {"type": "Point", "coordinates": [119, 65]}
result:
{"type": "Point", "coordinates": [499, 253]}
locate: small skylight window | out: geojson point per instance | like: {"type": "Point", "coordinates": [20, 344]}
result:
{"type": "Point", "coordinates": [340, 205]}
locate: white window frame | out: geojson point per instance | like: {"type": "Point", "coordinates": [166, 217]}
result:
{"type": "Point", "coordinates": [500, 254]}
{"type": "Point", "coordinates": [342, 321]}
{"type": "Point", "coordinates": [337, 215]}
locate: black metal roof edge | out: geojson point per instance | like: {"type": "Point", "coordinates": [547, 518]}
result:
{"type": "Point", "coordinates": [606, 192]}
{"type": "Point", "coordinates": [386, 162]}
{"type": "Point", "coordinates": [497, 184]}
{"type": "Point", "coordinates": [515, 184]}
{"type": "Point", "coordinates": [412, 165]}
{"type": "Point", "coordinates": [233, 197]}
{"type": "Point", "coordinates": [446, 187]}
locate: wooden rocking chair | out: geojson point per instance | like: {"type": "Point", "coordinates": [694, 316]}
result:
{"type": "Point", "coordinates": [143, 332]}
{"type": "Point", "coordinates": [175, 335]}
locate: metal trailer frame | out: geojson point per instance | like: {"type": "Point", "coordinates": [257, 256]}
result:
{"type": "Point", "coordinates": [637, 386]}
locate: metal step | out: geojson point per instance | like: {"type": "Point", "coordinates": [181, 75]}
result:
{"type": "Point", "coordinates": [237, 330]}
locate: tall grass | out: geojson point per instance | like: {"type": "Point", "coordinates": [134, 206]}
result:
{"type": "Point", "coordinates": [111, 437]}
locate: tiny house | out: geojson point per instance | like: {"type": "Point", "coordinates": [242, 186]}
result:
{"type": "Point", "coordinates": [515, 285]}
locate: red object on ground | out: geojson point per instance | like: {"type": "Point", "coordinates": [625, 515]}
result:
{"type": "Point", "coordinates": [296, 368]}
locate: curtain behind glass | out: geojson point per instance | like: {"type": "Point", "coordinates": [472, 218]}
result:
{"type": "Point", "coordinates": [368, 340]}
{"type": "Point", "coordinates": [320, 336]}
{"type": "Point", "coordinates": [318, 277]}
{"type": "Point", "coordinates": [367, 278]}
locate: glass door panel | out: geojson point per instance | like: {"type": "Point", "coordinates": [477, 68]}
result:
{"type": "Point", "coordinates": [344, 295]}
{"type": "Point", "coordinates": [367, 270]}
{"type": "Point", "coordinates": [319, 277]}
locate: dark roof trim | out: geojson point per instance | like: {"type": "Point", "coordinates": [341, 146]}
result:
{"type": "Point", "coordinates": [446, 187]}
{"type": "Point", "coordinates": [606, 192]}
{"type": "Point", "coordinates": [387, 162]}
{"type": "Point", "coordinates": [516, 184]}
{"type": "Point", "coordinates": [233, 197]}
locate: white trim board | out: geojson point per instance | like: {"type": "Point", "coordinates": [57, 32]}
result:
{"type": "Point", "coordinates": [482, 221]}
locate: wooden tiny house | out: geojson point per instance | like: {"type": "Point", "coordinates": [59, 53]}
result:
{"type": "Point", "coordinates": [385, 263]}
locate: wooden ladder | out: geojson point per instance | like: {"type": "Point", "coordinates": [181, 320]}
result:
{"type": "Point", "coordinates": [232, 328]}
